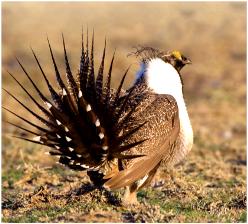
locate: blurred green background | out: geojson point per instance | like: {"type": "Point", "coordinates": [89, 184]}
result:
{"type": "Point", "coordinates": [211, 34]}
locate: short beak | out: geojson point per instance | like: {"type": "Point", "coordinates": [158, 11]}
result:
{"type": "Point", "coordinates": [188, 61]}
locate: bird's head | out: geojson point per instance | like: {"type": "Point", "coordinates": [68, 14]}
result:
{"type": "Point", "coordinates": [176, 59]}
{"type": "Point", "coordinates": [161, 70]}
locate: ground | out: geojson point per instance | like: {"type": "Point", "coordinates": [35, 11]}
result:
{"type": "Point", "coordinates": [208, 186]}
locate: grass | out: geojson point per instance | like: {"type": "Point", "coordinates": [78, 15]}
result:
{"type": "Point", "coordinates": [12, 176]}
{"type": "Point", "coordinates": [53, 194]}
{"type": "Point", "coordinates": [208, 186]}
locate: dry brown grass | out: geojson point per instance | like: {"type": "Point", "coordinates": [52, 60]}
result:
{"type": "Point", "coordinates": [210, 185]}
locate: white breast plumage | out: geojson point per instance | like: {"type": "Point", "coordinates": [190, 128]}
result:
{"type": "Point", "coordinates": [163, 78]}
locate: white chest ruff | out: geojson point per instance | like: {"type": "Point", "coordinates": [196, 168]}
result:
{"type": "Point", "coordinates": [163, 78]}
{"type": "Point", "coordinates": [185, 139]}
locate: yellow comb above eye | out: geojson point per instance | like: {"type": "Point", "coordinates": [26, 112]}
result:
{"type": "Point", "coordinates": [177, 55]}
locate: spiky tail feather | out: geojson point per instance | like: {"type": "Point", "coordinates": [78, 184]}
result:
{"type": "Point", "coordinates": [82, 121]}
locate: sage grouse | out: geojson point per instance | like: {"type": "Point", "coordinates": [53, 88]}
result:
{"type": "Point", "coordinates": [120, 137]}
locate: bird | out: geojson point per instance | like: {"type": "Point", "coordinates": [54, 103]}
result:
{"type": "Point", "coordinates": [119, 137]}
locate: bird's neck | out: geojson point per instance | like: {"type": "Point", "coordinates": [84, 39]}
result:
{"type": "Point", "coordinates": [163, 78]}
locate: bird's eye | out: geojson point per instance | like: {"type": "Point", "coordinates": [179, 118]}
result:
{"type": "Point", "coordinates": [184, 58]}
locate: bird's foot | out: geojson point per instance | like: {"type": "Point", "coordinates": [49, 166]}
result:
{"type": "Point", "coordinates": [158, 183]}
{"type": "Point", "coordinates": [130, 199]}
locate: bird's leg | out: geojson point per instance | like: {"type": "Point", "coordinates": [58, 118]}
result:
{"type": "Point", "coordinates": [157, 180]}
{"type": "Point", "coordinates": [130, 195]}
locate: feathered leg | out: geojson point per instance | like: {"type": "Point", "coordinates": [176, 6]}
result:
{"type": "Point", "coordinates": [130, 195]}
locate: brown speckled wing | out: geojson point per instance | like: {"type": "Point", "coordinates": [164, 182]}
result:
{"type": "Point", "coordinates": [161, 129]}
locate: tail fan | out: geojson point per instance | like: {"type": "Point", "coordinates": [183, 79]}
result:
{"type": "Point", "coordinates": [82, 122]}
